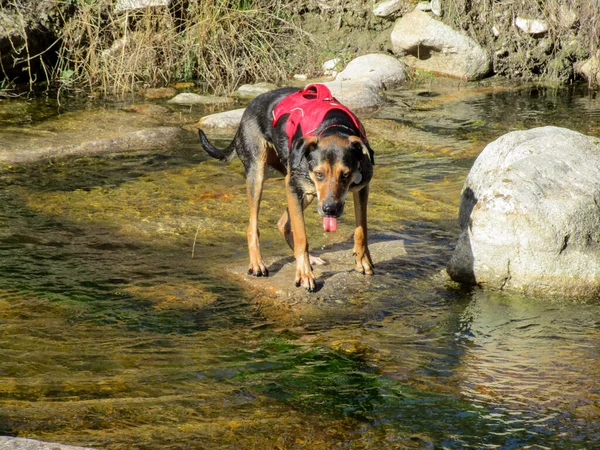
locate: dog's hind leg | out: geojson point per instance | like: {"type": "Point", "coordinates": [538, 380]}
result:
{"type": "Point", "coordinates": [256, 172]}
{"type": "Point", "coordinates": [285, 227]}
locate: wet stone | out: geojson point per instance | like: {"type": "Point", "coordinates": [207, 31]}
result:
{"type": "Point", "coordinates": [337, 279]}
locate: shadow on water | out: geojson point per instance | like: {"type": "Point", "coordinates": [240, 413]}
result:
{"type": "Point", "coordinates": [112, 336]}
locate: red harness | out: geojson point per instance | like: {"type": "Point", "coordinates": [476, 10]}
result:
{"type": "Point", "coordinates": [307, 109]}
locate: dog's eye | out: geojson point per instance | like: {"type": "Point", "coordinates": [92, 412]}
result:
{"type": "Point", "coordinates": [346, 175]}
{"type": "Point", "coordinates": [318, 174]}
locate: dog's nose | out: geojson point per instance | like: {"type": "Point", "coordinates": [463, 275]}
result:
{"type": "Point", "coordinates": [332, 209]}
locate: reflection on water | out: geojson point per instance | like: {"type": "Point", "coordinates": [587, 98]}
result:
{"type": "Point", "coordinates": [112, 336]}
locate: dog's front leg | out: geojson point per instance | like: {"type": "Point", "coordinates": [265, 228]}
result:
{"type": "Point", "coordinates": [304, 273]}
{"type": "Point", "coordinates": [364, 264]}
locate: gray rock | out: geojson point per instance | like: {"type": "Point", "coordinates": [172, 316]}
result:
{"type": "Point", "coordinates": [430, 45]}
{"type": "Point", "coordinates": [358, 85]}
{"type": "Point", "coordinates": [530, 215]}
{"type": "Point", "coordinates": [12, 443]}
{"type": "Point", "coordinates": [376, 69]}
{"type": "Point", "coordinates": [253, 90]}
{"type": "Point", "coordinates": [189, 98]}
{"type": "Point", "coordinates": [387, 8]}
{"type": "Point", "coordinates": [227, 119]}
{"type": "Point", "coordinates": [355, 94]}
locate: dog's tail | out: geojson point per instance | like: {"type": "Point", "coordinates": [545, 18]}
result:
{"type": "Point", "coordinates": [225, 154]}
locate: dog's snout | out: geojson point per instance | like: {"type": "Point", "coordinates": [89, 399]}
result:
{"type": "Point", "coordinates": [332, 208]}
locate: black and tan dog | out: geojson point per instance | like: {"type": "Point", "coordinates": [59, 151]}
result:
{"type": "Point", "coordinates": [321, 148]}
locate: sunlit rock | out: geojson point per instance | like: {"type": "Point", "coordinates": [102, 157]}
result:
{"type": "Point", "coordinates": [358, 85]}
{"type": "Point", "coordinates": [530, 215]}
{"type": "Point", "coordinates": [531, 26]}
{"type": "Point", "coordinates": [227, 119]}
{"type": "Point", "coordinates": [377, 69]}
{"type": "Point", "coordinates": [430, 45]}
{"type": "Point", "coordinates": [387, 8]}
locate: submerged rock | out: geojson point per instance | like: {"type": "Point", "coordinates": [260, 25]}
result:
{"type": "Point", "coordinates": [91, 132]}
{"type": "Point", "coordinates": [530, 215]}
{"type": "Point", "coordinates": [430, 45]}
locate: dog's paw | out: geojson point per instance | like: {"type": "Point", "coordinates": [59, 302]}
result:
{"type": "Point", "coordinates": [304, 274]}
{"type": "Point", "coordinates": [364, 264]}
{"type": "Point", "coordinates": [258, 269]}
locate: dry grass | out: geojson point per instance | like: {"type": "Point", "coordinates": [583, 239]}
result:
{"type": "Point", "coordinates": [219, 43]}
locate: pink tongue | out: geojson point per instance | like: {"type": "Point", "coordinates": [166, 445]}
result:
{"type": "Point", "coordinates": [329, 224]}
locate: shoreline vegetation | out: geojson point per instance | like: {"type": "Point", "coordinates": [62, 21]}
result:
{"type": "Point", "coordinates": [108, 47]}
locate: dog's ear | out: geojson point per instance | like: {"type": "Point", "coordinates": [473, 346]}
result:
{"type": "Point", "coordinates": [362, 147]}
{"type": "Point", "coordinates": [301, 147]}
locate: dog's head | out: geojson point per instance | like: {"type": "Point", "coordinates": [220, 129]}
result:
{"type": "Point", "coordinates": [335, 164]}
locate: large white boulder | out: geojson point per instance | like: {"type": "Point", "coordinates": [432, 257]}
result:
{"type": "Point", "coordinates": [530, 215]}
{"type": "Point", "coordinates": [430, 45]}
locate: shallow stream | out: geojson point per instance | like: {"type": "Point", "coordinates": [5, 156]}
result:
{"type": "Point", "coordinates": [112, 336]}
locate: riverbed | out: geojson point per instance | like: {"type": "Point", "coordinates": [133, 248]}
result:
{"type": "Point", "coordinates": [126, 319]}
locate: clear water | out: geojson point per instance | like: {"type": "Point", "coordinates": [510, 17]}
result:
{"type": "Point", "coordinates": [112, 336]}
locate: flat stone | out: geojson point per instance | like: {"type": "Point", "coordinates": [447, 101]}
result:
{"type": "Point", "coordinates": [335, 280]}
{"type": "Point", "coordinates": [227, 119]}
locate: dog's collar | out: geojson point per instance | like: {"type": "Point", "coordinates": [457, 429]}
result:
{"type": "Point", "coordinates": [337, 125]}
